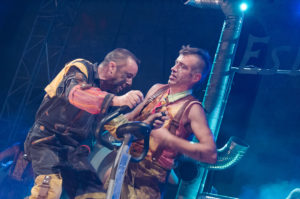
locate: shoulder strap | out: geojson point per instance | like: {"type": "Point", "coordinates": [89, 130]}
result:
{"type": "Point", "coordinates": [155, 95]}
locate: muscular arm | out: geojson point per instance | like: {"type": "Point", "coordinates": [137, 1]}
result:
{"type": "Point", "coordinates": [204, 151]}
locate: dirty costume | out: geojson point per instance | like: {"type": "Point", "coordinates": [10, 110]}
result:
{"type": "Point", "coordinates": [146, 179]}
{"type": "Point", "coordinates": [65, 119]}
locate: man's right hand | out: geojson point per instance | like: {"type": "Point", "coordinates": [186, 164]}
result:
{"type": "Point", "coordinates": [157, 120]}
{"type": "Point", "coordinates": [131, 99]}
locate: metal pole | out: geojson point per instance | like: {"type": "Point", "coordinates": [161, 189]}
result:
{"type": "Point", "coordinates": [219, 82]}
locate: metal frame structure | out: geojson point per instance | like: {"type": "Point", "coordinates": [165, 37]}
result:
{"type": "Point", "coordinates": [220, 80]}
{"type": "Point", "coordinates": [38, 63]}
{"type": "Point", "coordinates": [255, 70]}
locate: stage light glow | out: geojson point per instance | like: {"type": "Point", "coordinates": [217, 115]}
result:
{"type": "Point", "coordinates": [244, 6]}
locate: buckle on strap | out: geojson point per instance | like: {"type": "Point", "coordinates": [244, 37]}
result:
{"type": "Point", "coordinates": [44, 187]}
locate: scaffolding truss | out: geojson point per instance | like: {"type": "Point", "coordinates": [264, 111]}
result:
{"type": "Point", "coordinates": [37, 65]}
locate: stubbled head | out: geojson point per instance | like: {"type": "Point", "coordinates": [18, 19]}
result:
{"type": "Point", "coordinates": [118, 69]}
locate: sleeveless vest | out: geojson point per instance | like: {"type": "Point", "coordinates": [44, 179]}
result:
{"type": "Point", "coordinates": [164, 156]}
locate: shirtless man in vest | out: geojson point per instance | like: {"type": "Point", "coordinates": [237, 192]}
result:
{"type": "Point", "coordinates": [185, 116]}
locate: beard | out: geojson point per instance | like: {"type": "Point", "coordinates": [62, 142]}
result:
{"type": "Point", "coordinates": [113, 86]}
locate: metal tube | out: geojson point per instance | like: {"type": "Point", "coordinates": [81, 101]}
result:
{"type": "Point", "coordinates": [228, 155]}
{"type": "Point", "coordinates": [218, 86]}
{"type": "Point", "coordinates": [204, 3]}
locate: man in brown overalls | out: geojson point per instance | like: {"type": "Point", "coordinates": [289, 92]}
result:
{"type": "Point", "coordinates": [76, 98]}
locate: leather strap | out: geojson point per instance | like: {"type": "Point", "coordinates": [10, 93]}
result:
{"type": "Point", "coordinates": [156, 94]}
{"type": "Point", "coordinates": [44, 188]}
{"type": "Point", "coordinates": [150, 99]}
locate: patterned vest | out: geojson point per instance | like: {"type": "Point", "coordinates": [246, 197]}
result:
{"type": "Point", "coordinates": [164, 156]}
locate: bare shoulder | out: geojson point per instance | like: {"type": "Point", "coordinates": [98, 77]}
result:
{"type": "Point", "coordinates": [153, 89]}
{"type": "Point", "coordinates": [195, 110]}
{"type": "Point", "coordinates": [194, 117]}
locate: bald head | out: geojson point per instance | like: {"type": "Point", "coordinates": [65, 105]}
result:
{"type": "Point", "coordinates": [120, 56]}
{"type": "Point", "coordinates": [117, 70]}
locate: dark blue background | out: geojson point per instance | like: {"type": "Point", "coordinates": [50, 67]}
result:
{"type": "Point", "coordinates": [262, 110]}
